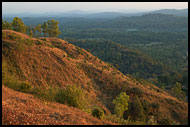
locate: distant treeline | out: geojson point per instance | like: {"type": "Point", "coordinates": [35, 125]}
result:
{"type": "Point", "coordinates": [47, 29]}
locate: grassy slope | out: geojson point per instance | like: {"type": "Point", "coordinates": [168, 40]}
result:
{"type": "Point", "coordinates": [54, 62]}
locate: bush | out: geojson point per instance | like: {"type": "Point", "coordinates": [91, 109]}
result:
{"type": "Point", "coordinates": [136, 111]}
{"type": "Point", "coordinates": [98, 112]}
{"type": "Point", "coordinates": [115, 119]}
{"type": "Point", "coordinates": [29, 42]}
{"type": "Point", "coordinates": [45, 94]}
{"type": "Point", "coordinates": [39, 42]}
{"type": "Point", "coordinates": [73, 96]}
{"type": "Point", "coordinates": [137, 91]}
{"type": "Point", "coordinates": [24, 87]}
{"type": "Point", "coordinates": [164, 121]}
{"type": "Point", "coordinates": [12, 82]}
{"type": "Point", "coordinates": [121, 104]}
{"type": "Point", "coordinates": [4, 35]}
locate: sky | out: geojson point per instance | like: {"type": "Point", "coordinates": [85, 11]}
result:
{"type": "Point", "coordinates": [42, 7]}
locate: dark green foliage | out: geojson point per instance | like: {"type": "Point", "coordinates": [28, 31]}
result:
{"type": "Point", "coordinates": [24, 87]}
{"type": "Point", "coordinates": [98, 112]}
{"type": "Point", "coordinates": [176, 91]}
{"type": "Point", "coordinates": [73, 96]}
{"type": "Point", "coordinates": [136, 63]}
{"type": "Point", "coordinates": [135, 112]}
{"type": "Point", "coordinates": [136, 91]}
{"type": "Point", "coordinates": [18, 25]}
{"type": "Point", "coordinates": [127, 60]}
{"type": "Point", "coordinates": [52, 28]}
{"type": "Point", "coordinates": [6, 25]}
{"type": "Point", "coordinates": [146, 107]}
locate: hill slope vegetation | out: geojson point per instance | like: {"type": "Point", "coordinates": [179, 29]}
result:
{"type": "Point", "coordinates": [45, 64]}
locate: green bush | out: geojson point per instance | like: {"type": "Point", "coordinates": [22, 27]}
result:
{"type": "Point", "coordinates": [29, 42]}
{"type": "Point", "coordinates": [121, 104]}
{"type": "Point", "coordinates": [98, 112]}
{"type": "Point", "coordinates": [45, 94]}
{"type": "Point", "coordinates": [12, 82]}
{"type": "Point", "coordinates": [24, 87]}
{"type": "Point", "coordinates": [73, 96]}
{"type": "Point", "coordinates": [4, 35]}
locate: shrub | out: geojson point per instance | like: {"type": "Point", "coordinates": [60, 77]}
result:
{"type": "Point", "coordinates": [38, 42]}
{"type": "Point", "coordinates": [73, 96]}
{"type": "Point", "coordinates": [115, 119]}
{"type": "Point", "coordinates": [45, 94]}
{"type": "Point", "coordinates": [121, 104]}
{"type": "Point", "coordinates": [4, 35]}
{"type": "Point", "coordinates": [20, 46]}
{"type": "Point", "coordinates": [98, 112]}
{"type": "Point", "coordinates": [24, 87]}
{"type": "Point", "coordinates": [155, 108]}
{"type": "Point", "coordinates": [146, 107]}
{"type": "Point", "coordinates": [176, 91]}
{"type": "Point", "coordinates": [29, 42]}
{"type": "Point", "coordinates": [164, 121]}
{"type": "Point", "coordinates": [136, 111]}
{"type": "Point", "coordinates": [137, 91]}
{"type": "Point", "coordinates": [12, 82]}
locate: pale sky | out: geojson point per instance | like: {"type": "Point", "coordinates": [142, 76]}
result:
{"type": "Point", "coordinates": [40, 7]}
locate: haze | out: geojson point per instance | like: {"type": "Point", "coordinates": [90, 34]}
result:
{"type": "Point", "coordinates": [42, 7]}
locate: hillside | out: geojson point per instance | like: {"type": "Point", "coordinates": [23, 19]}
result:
{"type": "Point", "coordinates": [20, 108]}
{"type": "Point", "coordinates": [55, 63]}
{"type": "Point", "coordinates": [136, 63]}
{"type": "Point", "coordinates": [126, 59]}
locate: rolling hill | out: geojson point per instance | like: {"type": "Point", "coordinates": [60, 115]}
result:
{"type": "Point", "coordinates": [45, 63]}
{"type": "Point", "coordinates": [183, 12]}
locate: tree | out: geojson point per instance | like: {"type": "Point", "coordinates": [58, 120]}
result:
{"type": "Point", "coordinates": [53, 28]}
{"type": "Point", "coordinates": [176, 90]}
{"type": "Point", "coordinates": [6, 25]}
{"type": "Point", "coordinates": [45, 28]}
{"type": "Point", "coordinates": [38, 28]}
{"type": "Point", "coordinates": [31, 33]}
{"type": "Point", "coordinates": [136, 111]}
{"type": "Point", "coordinates": [121, 104]}
{"type": "Point", "coordinates": [18, 25]}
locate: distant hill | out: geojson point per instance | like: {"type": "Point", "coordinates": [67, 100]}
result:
{"type": "Point", "coordinates": [183, 12]}
{"type": "Point", "coordinates": [148, 22]}
{"type": "Point", "coordinates": [85, 14]}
